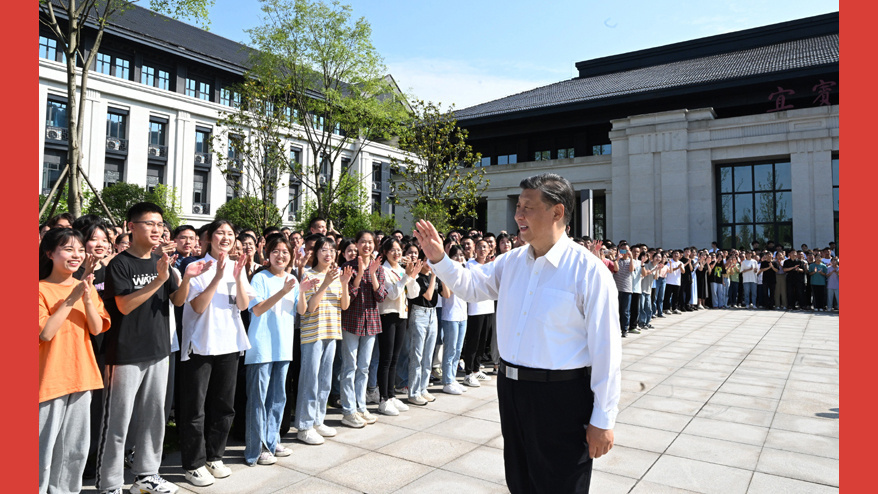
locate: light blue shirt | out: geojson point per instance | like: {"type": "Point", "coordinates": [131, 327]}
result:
{"type": "Point", "coordinates": [271, 334]}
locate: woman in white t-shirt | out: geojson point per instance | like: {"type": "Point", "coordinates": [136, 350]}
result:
{"type": "Point", "coordinates": [478, 320]}
{"type": "Point", "coordinates": [213, 338]}
{"type": "Point", "coordinates": [454, 317]}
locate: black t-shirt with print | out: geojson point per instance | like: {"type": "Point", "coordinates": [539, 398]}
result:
{"type": "Point", "coordinates": [97, 340]}
{"type": "Point", "coordinates": [423, 283]}
{"type": "Point", "coordinates": [143, 334]}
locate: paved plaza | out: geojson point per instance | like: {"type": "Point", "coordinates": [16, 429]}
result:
{"type": "Point", "coordinates": [725, 401]}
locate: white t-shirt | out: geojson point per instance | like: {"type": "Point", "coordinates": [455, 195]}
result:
{"type": "Point", "coordinates": [750, 276]}
{"type": "Point", "coordinates": [219, 329]}
{"type": "Point", "coordinates": [636, 276]}
{"type": "Point", "coordinates": [673, 277]}
{"type": "Point", "coordinates": [476, 308]}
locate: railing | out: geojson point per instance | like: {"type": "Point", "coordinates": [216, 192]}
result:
{"type": "Point", "coordinates": [202, 159]}
{"type": "Point", "coordinates": [56, 133]}
{"type": "Point", "coordinates": [117, 144]}
{"type": "Point", "coordinates": [158, 151]}
{"type": "Point", "coordinates": [201, 208]}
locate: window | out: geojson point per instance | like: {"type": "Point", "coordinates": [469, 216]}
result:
{"type": "Point", "coordinates": [599, 217]}
{"type": "Point", "coordinates": [115, 66]}
{"type": "Point", "coordinates": [53, 162]}
{"type": "Point", "coordinates": [565, 153]}
{"type": "Point", "coordinates": [486, 161]}
{"type": "Point", "coordinates": [56, 120]}
{"type": "Point", "coordinates": [48, 48]}
{"type": "Point", "coordinates": [155, 174]}
{"type": "Point", "coordinates": [236, 147]}
{"type": "Point", "coordinates": [202, 147]}
{"type": "Point", "coordinates": [542, 155]}
{"type": "Point", "coordinates": [152, 76]}
{"type": "Point", "coordinates": [157, 139]}
{"type": "Point", "coordinates": [755, 203]}
{"type": "Point", "coordinates": [115, 125]}
{"type": "Point", "coordinates": [198, 89]}
{"type": "Point", "coordinates": [147, 75]}
{"type": "Point", "coordinates": [296, 155]}
{"type": "Point", "coordinates": [233, 185]}
{"type": "Point", "coordinates": [835, 195]}
{"type": "Point", "coordinates": [294, 200]}
{"type": "Point", "coordinates": [164, 80]}
{"type": "Point", "coordinates": [114, 171]}
{"type": "Point", "coordinates": [230, 98]}
{"type": "Point", "coordinates": [507, 159]}
{"type": "Point", "coordinates": [199, 193]}
{"type": "Point", "coordinates": [601, 149]}
{"type": "Point", "coordinates": [317, 122]}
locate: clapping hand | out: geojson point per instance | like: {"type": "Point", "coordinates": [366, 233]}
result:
{"type": "Point", "coordinates": [414, 268]}
{"type": "Point", "coordinates": [374, 265]}
{"type": "Point", "coordinates": [196, 268]}
{"type": "Point", "coordinates": [289, 284]}
{"type": "Point", "coordinates": [347, 274]}
{"type": "Point", "coordinates": [89, 265]}
{"type": "Point", "coordinates": [163, 266]}
{"type": "Point", "coordinates": [242, 261]}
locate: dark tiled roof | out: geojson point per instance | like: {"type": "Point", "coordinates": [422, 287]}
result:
{"type": "Point", "coordinates": [803, 53]}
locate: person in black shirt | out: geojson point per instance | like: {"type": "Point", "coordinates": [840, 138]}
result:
{"type": "Point", "coordinates": [795, 271]}
{"type": "Point", "coordinates": [423, 327]}
{"type": "Point", "coordinates": [768, 268]}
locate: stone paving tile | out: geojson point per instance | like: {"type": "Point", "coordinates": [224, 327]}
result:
{"type": "Point", "coordinates": [657, 420]}
{"type": "Point", "coordinates": [644, 487]}
{"type": "Point", "coordinates": [693, 382]}
{"type": "Point", "coordinates": [799, 466]}
{"type": "Point", "coordinates": [428, 449]}
{"type": "Point", "coordinates": [482, 463]}
{"type": "Point", "coordinates": [371, 437]}
{"type": "Point", "coordinates": [679, 392]}
{"type": "Point", "coordinates": [608, 483]}
{"type": "Point", "coordinates": [809, 444]}
{"type": "Point", "coordinates": [727, 413]}
{"type": "Point", "coordinates": [376, 473]}
{"type": "Point", "coordinates": [489, 411]}
{"type": "Point", "coordinates": [442, 481]}
{"type": "Point", "coordinates": [698, 476]}
{"type": "Point", "coordinates": [811, 425]}
{"type": "Point", "coordinates": [826, 388]}
{"type": "Point", "coordinates": [744, 401]}
{"type": "Point", "coordinates": [315, 459]}
{"type": "Point", "coordinates": [627, 462]}
{"type": "Point", "coordinates": [311, 485]}
{"type": "Point", "coordinates": [715, 451]}
{"type": "Point", "coordinates": [672, 405]}
{"type": "Point", "coordinates": [770, 392]}
{"type": "Point", "coordinates": [764, 483]}
{"type": "Point", "coordinates": [728, 431]}
{"type": "Point", "coordinates": [467, 429]}
{"type": "Point", "coordinates": [645, 438]}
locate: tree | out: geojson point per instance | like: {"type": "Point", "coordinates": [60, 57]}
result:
{"type": "Point", "coordinates": [120, 196]}
{"type": "Point", "coordinates": [437, 176]}
{"type": "Point", "coordinates": [348, 214]}
{"type": "Point", "coordinates": [249, 212]}
{"type": "Point", "coordinates": [324, 74]}
{"type": "Point", "coordinates": [67, 19]}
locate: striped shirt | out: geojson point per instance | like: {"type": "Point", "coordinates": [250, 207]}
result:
{"type": "Point", "coordinates": [324, 323]}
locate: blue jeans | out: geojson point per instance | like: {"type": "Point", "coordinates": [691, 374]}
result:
{"type": "Point", "coordinates": [356, 354]}
{"type": "Point", "coordinates": [624, 311]}
{"type": "Point", "coordinates": [716, 291]}
{"type": "Point", "coordinates": [749, 294]}
{"type": "Point", "coordinates": [423, 327]}
{"type": "Point", "coordinates": [373, 368]}
{"type": "Point", "coordinates": [266, 397]}
{"type": "Point", "coordinates": [453, 333]}
{"type": "Point", "coordinates": [645, 309]}
{"type": "Point", "coordinates": [315, 381]}
{"type": "Point", "coordinates": [659, 296]}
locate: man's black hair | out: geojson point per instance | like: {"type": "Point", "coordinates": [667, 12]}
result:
{"type": "Point", "coordinates": [182, 228]}
{"type": "Point", "coordinates": [141, 208]}
{"type": "Point", "coordinates": [269, 230]}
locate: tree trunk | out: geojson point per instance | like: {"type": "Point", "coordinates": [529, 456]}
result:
{"type": "Point", "coordinates": [74, 121]}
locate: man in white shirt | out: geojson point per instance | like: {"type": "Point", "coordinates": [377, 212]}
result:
{"type": "Point", "coordinates": [559, 339]}
{"type": "Point", "coordinates": [749, 267]}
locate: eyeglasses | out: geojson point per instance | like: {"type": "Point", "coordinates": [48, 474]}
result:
{"type": "Point", "coordinates": [150, 224]}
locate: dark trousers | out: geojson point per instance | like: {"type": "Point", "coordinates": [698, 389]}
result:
{"type": "Point", "coordinates": [390, 341]}
{"type": "Point", "coordinates": [768, 300]}
{"type": "Point", "coordinates": [635, 311]}
{"type": "Point", "coordinates": [819, 294]}
{"type": "Point", "coordinates": [206, 407]}
{"type": "Point", "coordinates": [473, 341]}
{"type": "Point", "coordinates": [544, 447]}
{"type": "Point", "coordinates": [624, 311]}
{"type": "Point", "coordinates": [672, 297]}
{"type": "Point", "coordinates": [685, 292]}
{"type": "Point", "coordinates": [795, 292]}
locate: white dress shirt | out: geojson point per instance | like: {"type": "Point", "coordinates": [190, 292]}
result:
{"type": "Point", "coordinates": [560, 311]}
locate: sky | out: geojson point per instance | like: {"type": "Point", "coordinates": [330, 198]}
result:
{"type": "Point", "coordinates": [470, 52]}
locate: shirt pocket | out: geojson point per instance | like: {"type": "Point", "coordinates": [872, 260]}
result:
{"type": "Point", "coordinates": [555, 308]}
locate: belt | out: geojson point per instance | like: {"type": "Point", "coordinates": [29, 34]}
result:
{"type": "Point", "coordinates": [541, 375]}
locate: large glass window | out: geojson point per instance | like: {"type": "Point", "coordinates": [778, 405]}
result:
{"type": "Point", "coordinates": [599, 149]}
{"type": "Point", "coordinates": [104, 63]}
{"type": "Point", "coordinates": [147, 75]}
{"type": "Point", "coordinates": [198, 89]}
{"type": "Point", "coordinates": [565, 153]}
{"type": "Point", "coordinates": [754, 203]}
{"type": "Point", "coordinates": [115, 66]}
{"type": "Point", "coordinates": [157, 132]}
{"type": "Point", "coordinates": [48, 48]}
{"type": "Point", "coordinates": [56, 114]}
{"type": "Point", "coordinates": [116, 125]}
{"type": "Point", "coordinates": [230, 98]}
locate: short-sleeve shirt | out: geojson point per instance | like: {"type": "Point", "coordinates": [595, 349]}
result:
{"type": "Point", "coordinates": [818, 278]}
{"type": "Point", "coordinates": [324, 323]}
{"type": "Point", "coordinates": [271, 334]}
{"type": "Point", "coordinates": [424, 282]}
{"type": "Point", "coordinates": [749, 276]}
{"type": "Point", "coordinates": [142, 334]}
{"type": "Point", "coordinates": [831, 281]}
{"type": "Point", "coordinates": [67, 361]}
{"type": "Point", "coordinates": [623, 276]}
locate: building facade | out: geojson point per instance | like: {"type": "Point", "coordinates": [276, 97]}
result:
{"type": "Point", "coordinates": [155, 93]}
{"type": "Point", "coordinates": [732, 138]}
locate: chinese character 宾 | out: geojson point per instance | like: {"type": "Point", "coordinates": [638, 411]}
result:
{"type": "Point", "coordinates": [823, 89]}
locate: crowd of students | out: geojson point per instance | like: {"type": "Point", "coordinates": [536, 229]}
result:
{"type": "Point", "coordinates": [230, 330]}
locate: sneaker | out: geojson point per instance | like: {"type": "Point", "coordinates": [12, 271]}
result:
{"type": "Point", "coordinates": [152, 484]}
{"type": "Point", "coordinates": [310, 436]}
{"type": "Point", "coordinates": [325, 430]}
{"type": "Point", "coordinates": [472, 381]}
{"type": "Point", "coordinates": [402, 391]}
{"type": "Point", "coordinates": [128, 460]}
{"type": "Point", "coordinates": [417, 400]}
{"type": "Point", "coordinates": [460, 388]}
{"type": "Point", "coordinates": [372, 396]}
{"type": "Point", "coordinates": [461, 365]}
{"type": "Point", "coordinates": [427, 396]}
{"type": "Point", "coordinates": [368, 417]}
{"type": "Point", "coordinates": [386, 407]}
{"type": "Point", "coordinates": [266, 458]}
{"type": "Point", "coordinates": [650, 326]}
{"type": "Point", "coordinates": [282, 452]}
{"type": "Point", "coordinates": [353, 420]}
{"type": "Point", "coordinates": [624, 335]}
{"type": "Point", "coordinates": [633, 331]}
{"type": "Point", "coordinates": [199, 477]}
{"type": "Point", "coordinates": [399, 405]}
{"type": "Point", "coordinates": [451, 389]}
{"type": "Point", "coordinates": [114, 491]}
{"type": "Point", "coordinates": [481, 376]}
{"type": "Point", "coordinates": [218, 470]}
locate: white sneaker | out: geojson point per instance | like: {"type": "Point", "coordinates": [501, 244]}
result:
{"type": "Point", "coordinates": [461, 365]}
{"type": "Point", "coordinates": [152, 484]}
{"type": "Point", "coordinates": [372, 396]}
{"type": "Point", "coordinates": [399, 405]}
{"type": "Point", "coordinates": [459, 387]}
{"type": "Point", "coordinates": [481, 376]}
{"type": "Point", "coordinates": [472, 381]}
{"type": "Point", "coordinates": [218, 470]}
{"type": "Point", "coordinates": [451, 389]}
{"type": "Point", "coordinates": [199, 477]}
{"type": "Point", "coordinates": [427, 396]}
{"type": "Point", "coordinates": [417, 400]}
{"type": "Point", "coordinates": [266, 458]}
{"type": "Point", "coordinates": [281, 452]}
{"type": "Point", "coordinates": [402, 391]}
{"type": "Point", "coordinates": [368, 417]}
{"type": "Point", "coordinates": [353, 420]}
{"type": "Point", "coordinates": [386, 407]}
{"type": "Point", "coordinates": [325, 430]}
{"type": "Point", "coordinates": [310, 436]}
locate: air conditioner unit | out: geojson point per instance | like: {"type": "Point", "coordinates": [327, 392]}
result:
{"type": "Point", "coordinates": [198, 209]}
{"type": "Point", "coordinates": [199, 158]}
{"type": "Point", "coordinates": [114, 144]}
{"type": "Point", "coordinates": [153, 151]}
{"type": "Point", "coordinates": [54, 134]}
{"type": "Point", "coordinates": [321, 180]}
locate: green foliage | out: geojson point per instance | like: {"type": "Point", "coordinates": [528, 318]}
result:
{"type": "Point", "coordinates": [249, 212]}
{"type": "Point", "coordinates": [438, 171]}
{"type": "Point", "coordinates": [348, 214]}
{"type": "Point", "coordinates": [120, 196]}
{"type": "Point", "coordinates": [63, 207]}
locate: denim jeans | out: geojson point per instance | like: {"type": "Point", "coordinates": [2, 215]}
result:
{"type": "Point", "coordinates": [356, 354]}
{"type": "Point", "coordinates": [315, 380]}
{"type": "Point", "coordinates": [716, 291]}
{"type": "Point", "coordinates": [645, 309]}
{"type": "Point", "coordinates": [749, 294]}
{"type": "Point", "coordinates": [422, 330]}
{"type": "Point", "coordinates": [659, 296]}
{"type": "Point", "coordinates": [453, 333]}
{"type": "Point", "coordinates": [624, 310]}
{"type": "Point", "coordinates": [373, 367]}
{"type": "Point", "coordinates": [266, 396]}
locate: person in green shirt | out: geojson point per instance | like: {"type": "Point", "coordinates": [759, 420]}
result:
{"type": "Point", "coordinates": [817, 271]}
